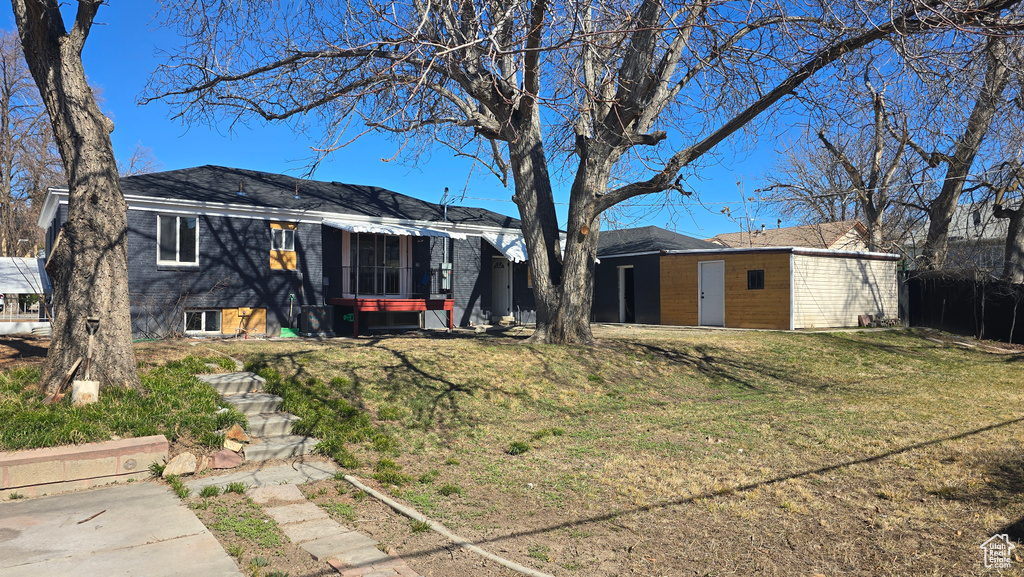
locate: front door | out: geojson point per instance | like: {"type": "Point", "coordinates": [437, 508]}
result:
{"type": "Point", "coordinates": [626, 299]}
{"type": "Point", "coordinates": [501, 287]}
{"type": "Point", "coordinates": [712, 293]}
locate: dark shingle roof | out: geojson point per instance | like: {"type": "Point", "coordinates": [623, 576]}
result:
{"type": "Point", "coordinates": [263, 189]}
{"type": "Point", "coordinates": [646, 239]}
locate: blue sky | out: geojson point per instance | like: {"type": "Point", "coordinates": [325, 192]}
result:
{"type": "Point", "coordinates": [121, 53]}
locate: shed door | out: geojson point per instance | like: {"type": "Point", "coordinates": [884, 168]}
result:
{"type": "Point", "coordinates": [627, 312]}
{"type": "Point", "coordinates": [712, 293]}
{"type": "Point", "coordinates": [501, 287]}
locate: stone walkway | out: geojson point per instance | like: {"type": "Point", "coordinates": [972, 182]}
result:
{"type": "Point", "coordinates": [295, 474]}
{"type": "Point", "coordinates": [350, 552]}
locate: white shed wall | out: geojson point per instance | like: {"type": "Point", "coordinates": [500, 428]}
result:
{"type": "Point", "coordinates": [831, 292]}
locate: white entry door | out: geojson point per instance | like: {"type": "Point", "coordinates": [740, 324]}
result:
{"type": "Point", "coordinates": [712, 293]}
{"type": "Point", "coordinates": [501, 287]}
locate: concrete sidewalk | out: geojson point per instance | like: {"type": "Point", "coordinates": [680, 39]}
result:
{"type": "Point", "coordinates": [144, 530]}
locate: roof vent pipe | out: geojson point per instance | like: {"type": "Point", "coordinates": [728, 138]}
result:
{"type": "Point", "coordinates": [444, 203]}
{"type": "Point", "coordinates": [296, 196]}
{"type": "Point", "coordinates": [241, 189]}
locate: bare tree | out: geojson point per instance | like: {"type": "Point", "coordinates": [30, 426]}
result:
{"type": "Point", "coordinates": [1011, 180]}
{"type": "Point", "coordinates": [871, 184]}
{"type": "Point", "coordinates": [141, 161]}
{"type": "Point", "coordinates": [630, 94]}
{"type": "Point", "coordinates": [964, 149]}
{"type": "Point", "coordinates": [88, 262]}
{"type": "Point", "coordinates": [808, 186]}
{"type": "Point", "coordinates": [26, 149]}
{"type": "Point", "coordinates": [857, 170]}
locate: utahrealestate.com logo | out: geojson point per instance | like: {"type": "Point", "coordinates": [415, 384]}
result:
{"type": "Point", "coordinates": [998, 552]}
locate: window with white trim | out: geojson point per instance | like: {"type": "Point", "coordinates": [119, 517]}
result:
{"type": "Point", "coordinates": [282, 239]}
{"type": "Point", "coordinates": [202, 321]}
{"type": "Point", "coordinates": [177, 239]}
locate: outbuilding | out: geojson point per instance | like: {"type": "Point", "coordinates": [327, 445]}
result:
{"type": "Point", "coordinates": [627, 276]}
{"type": "Point", "coordinates": [776, 287]}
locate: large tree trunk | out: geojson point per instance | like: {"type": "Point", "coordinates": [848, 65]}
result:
{"type": "Point", "coordinates": [1013, 257]}
{"type": "Point", "coordinates": [88, 263]}
{"type": "Point", "coordinates": [8, 244]}
{"type": "Point", "coordinates": [563, 286]}
{"type": "Point", "coordinates": [535, 200]}
{"type": "Point", "coordinates": [940, 213]}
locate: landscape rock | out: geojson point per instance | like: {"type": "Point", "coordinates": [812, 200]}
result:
{"type": "Point", "coordinates": [202, 464]}
{"type": "Point", "coordinates": [183, 464]}
{"type": "Point", "coordinates": [225, 459]}
{"type": "Point", "coordinates": [232, 445]}
{"type": "Point", "coordinates": [236, 433]}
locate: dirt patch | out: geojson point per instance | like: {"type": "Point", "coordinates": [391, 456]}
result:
{"type": "Point", "coordinates": [22, 351]}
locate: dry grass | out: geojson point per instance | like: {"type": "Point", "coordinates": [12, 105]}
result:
{"type": "Point", "coordinates": [746, 453]}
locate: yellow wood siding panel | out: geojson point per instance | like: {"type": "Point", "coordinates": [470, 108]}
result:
{"type": "Point", "coordinates": [762, 309]}
{"type": "Point", "coordinates": [255, 321]}
{"type": "Point", "coordinates": [283, 260]}
{"type": "Point", "coordinates": [831, 292]}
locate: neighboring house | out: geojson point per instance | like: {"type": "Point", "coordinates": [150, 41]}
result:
{"type": "Point", "coordinates": [847, 235]}
{"type": "Point", "coordinates": [977, 240]}
{"type": "Point", "coordinates": [23, 289]}
{"type": "Point", "coordinates": [215, 250]}
{"type": "Point", "coordinates": [777, 287]}
{"type": "Point", "coordinates": [627, 278]}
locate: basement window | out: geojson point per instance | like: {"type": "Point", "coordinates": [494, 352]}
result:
{"type": "Point", "coordinates": [202, 321]}
{"type": "Point", "coordinates": [755, 279]}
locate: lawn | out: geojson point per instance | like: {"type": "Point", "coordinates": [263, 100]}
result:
{"type": "Point", "coordinates": [173, 403]}
{"type": "Point", "coordinates": [661, 451]}
{"type": "Point", "coordinates": [670, 452]}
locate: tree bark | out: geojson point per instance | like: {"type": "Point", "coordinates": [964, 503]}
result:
{"type": "Point", "coordinates": [88, 263]}
{"type": "Point", "coordinates": [1013, 257]}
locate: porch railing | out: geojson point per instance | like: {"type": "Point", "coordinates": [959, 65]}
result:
{"type": "Point", "coordinates": [395, 282]}
{"type": "Point", "coordinates": [24, 308]}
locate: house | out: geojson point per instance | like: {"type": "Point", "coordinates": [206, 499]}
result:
{"type": "Point", "coordinates": [849, 235]}
{"type": "Point", "coordinates": [977, 240]}
{"type": "Point", "coordinates": [627, 277]}
{"type": "Point", "coordinates": [219, 251]}
{"type": "Point", "coordinates": [776, 287]}
{"type": "Point", "coordinates": [23, 289]}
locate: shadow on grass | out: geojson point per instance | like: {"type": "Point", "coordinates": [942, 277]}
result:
{"type": "Point", "coordinates": [1015, 530]}
{"type": "Point", "coordinates": [24, 349]}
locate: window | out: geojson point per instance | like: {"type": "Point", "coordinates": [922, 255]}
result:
{"type": "Point", "coordinates": [177, 239]}
{"type": "Point", "coordinates": [202, 321]}
{"type": "Point", "coordinates": [282, 239]}
{"type": "Point", "coordinates": [755, 279]}
{"type": "Point", "coordinates": [376, 264]}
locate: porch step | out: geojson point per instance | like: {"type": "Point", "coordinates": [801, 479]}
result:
{"type": "Point", "coordinates": [228, 384]}
{"type": "Point", "coordinates": [255, 403]}
{"type": "Point", "coordinates": [283, 447]}
{"type": "Point", "coordinates": [272, 424]}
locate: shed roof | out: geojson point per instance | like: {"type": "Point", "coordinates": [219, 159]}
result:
{"type": "Point", "coordinates": [646, 239]}
{"type": "Point", "coordinates": [221, 184]}
{"type": "Point", "coordinates": [23, 276]}
{"type": "Point", "coordinates": [821, 235]}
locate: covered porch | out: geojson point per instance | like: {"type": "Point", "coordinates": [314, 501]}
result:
{"type": "Point", "coordinates": [362, 305]}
